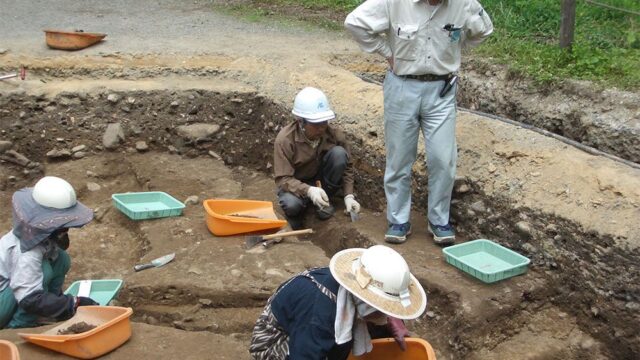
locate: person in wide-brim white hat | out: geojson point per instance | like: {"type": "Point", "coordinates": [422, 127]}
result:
{"type": "Point", "coordinates": [325, 313]}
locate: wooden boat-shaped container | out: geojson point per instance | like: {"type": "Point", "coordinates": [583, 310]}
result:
{"type": "Point", "coordinates": [71, 40]}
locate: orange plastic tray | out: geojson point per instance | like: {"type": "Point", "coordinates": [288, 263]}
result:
{"type": "Point", "coordinates": [8, 351]}
{"type": "Point", "coordinates": [71, 40]}
{"type": "Point", "coordinates": [383, 349]}
{"type": "Point", "coordinates": [113, 329]}
{"type": "Point", "coordinates": [258, 216]}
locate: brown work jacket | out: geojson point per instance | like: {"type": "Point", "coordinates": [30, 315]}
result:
{"type": "Point", "coordinates": [296, 162]}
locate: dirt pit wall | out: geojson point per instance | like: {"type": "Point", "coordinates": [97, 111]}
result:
{"type": "Point", "coordinates": [587, 276]}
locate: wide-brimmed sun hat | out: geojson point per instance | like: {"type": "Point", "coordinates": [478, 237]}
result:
{"type": "Point", "coordinates": [380, 277]}
{"type": "Point", "coordinates": [50, 205]}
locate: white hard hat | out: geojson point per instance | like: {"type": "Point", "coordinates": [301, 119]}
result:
{"type": "Point", "coordinates": [54, 192]}
{"type": "Point", "coordinates": [312, 105]}
{"type": "Point", "coordinates": [387, 269]}
{"type": "Point", "coordinates": [380, 277]}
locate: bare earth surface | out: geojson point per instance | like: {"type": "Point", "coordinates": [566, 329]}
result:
{"type": "Point", "coordinates": [169, 64]}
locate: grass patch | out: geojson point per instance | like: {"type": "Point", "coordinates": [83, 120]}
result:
{"type": "Point", "coordinates": [606, 48]}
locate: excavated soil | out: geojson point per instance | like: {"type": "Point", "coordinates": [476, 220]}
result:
{"type": "Point", "coordinates": [215, 285]}
{"type": "Point", "coordinates": [573, 213]}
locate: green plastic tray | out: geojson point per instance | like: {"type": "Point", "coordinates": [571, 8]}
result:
{"type": "Point", "coordinates": [486, 260]}
{"type": "Point", "coordinates": [147, 205]}
{"type": "Point", "coordinates": [102, 291]}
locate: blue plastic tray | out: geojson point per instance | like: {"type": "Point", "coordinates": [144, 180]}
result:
{"type": "Point", "coordinates": [102, 291]}
{"type": "Point", "coordinates": [147, 205]}
{"type": "Point", "coordinates": [486, 260]}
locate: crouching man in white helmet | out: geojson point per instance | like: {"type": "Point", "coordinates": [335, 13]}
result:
{"type": "Point", "coordinates": [308, 153]}
{"type": "Point", "coordinates": [326, 313]}
{"type": "Point", "coordinates": [33, 260]}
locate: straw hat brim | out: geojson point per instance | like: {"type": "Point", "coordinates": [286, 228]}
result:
{"type": "Point", "coordinates": [341, 265]}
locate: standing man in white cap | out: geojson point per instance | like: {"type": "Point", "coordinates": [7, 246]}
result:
{"type": "Point", "coordinates": [307, 153]}
{"type": "Point", "coordinates": [422, 44]}
{"type": "Point", "coordinates": [324, 313]}
{"type": "Point", "coordinates": [33, 260]}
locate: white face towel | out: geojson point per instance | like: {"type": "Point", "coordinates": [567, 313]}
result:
{"type": "Point", "coordinates": [350, 323]}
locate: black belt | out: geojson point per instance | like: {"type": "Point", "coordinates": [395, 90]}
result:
{"type": "Point", "coordinates": [427, 77]}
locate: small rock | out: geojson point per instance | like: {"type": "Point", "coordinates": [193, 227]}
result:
{"type": "Point", "coordinates": [90, 173]}
{"type": "Point", "coordinates": [75, 149]}
{"type": "Point", "coordinates": [236, 272]}
{"type": "Point", "coordinates": [632, 306]}
{"type": "Point", "coordinates": [529, 248]}
{"type": "Point", "coordinates": [214, 155]}
{"type": "Point", "coordinates": [126, 109]}
{"type": "Point", "coordinates": [91, 186]}
{"type": "Point", "coordinates": [491, 168]}
{"type": "Point", "coordinates": [152, 321]}
{"type": "Point", "coordinates": [79, 155]}
{"type": "Point", "coordinates": [174, 104]}
{"type": "Point", "coordinates": [179, 325]}
{"type": "Point", "coordinates": [271, 125]}
{"type": "Point", "coordinates": [5, 145]}
{"type": "Point", "coordinates": [205, 302]}
{"type": "Point", "coordinates": [3, 51]}
{"type": "Point", "coordinates": [237, 100]}
{"type": "Point", "coordinates": [478, 207]}
{"type": "Point", "coordinates": [195, 270]}
{"type": "Point", "coordinates": [142, 146]}
{"type": "Point", "coordinates": [58, 154]}
{"type": "Point", "coordinates": [228, 160]}
{"type": "Point", "coordinates": [22, 115]}
{"type": "Point", "coordinates": [463, 189]}
{"type": "Point", "coordinates": [192, 200]}
{"type": "Point", "coordinates": [274, 272]}
{"type": "Point", "coordinates": [523, 228]}
{"type": "Point", "coordinates": [131, 100]}
{"type": "Point", "coordinates": [595, 311]}
{"type": "Point", "coordinates": [269, 166]}
{"type": "Point", "coordinates": [193, 110]}
{"type": "Point", "coordinates": [197, 131]}
{"type": "Point", "coordinates": [587, 344]}
{"type": "Point", "coordinates": [430, 314]}
{"type": "Point", "coordinates": [112, 136]}
{"type": "Point", "coordinates": [113, 98]}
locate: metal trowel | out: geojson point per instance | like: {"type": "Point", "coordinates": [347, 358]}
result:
{"type": "Point", "coordinates": [354, 216]}
{"type": "Point", "coordinates": [163, 260]}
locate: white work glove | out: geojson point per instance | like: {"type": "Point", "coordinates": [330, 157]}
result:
{"type": "Point", "coordinates": [318, 197]}
{"type": "Point", "coordinates": [350, 204]}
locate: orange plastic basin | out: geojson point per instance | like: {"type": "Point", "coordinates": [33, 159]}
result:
{"type": "Point", "coordinates": [387, 349]}
{"type": "Point", "coordinates": [71, 40]}
{"type": "Point", "coordinates": [113, 329]}
{"type": "Point", "coordinates": [8, 351]}
{"type": "Point", "coordinates": [230, 217]}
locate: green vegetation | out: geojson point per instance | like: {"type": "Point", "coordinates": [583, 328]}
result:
{"type": "Point", "coordinates": [606, 48]}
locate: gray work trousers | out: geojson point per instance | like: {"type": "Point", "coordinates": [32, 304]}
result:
{"type": "Point", "coordinates": [411, 106]}
{"type": "Point", "coordinates": [333, 165]}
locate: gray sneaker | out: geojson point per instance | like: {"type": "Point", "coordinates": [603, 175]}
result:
{"type": "Point", "coordinates": [442, 234]}
{"type": "Point", "coordinates": [397, 233]}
